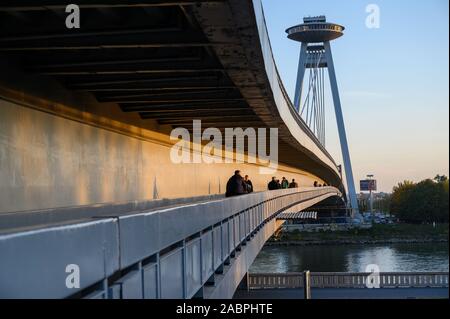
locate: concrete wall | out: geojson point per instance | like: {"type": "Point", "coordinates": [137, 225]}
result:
{"type": "Point", "coordinates": [49, 161]}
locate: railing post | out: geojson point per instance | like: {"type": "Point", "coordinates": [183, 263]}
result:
{"type": "Point", "coordinates": [307, 284]}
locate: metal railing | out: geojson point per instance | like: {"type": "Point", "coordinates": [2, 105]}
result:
{"type": "Point", "coordinates": [349, 280]}
{"type": "Point", "coordinates": [165, 253]}
{"type": "Point", "coordinates": [315, 27]}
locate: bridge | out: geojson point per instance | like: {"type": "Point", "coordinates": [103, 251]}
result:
{"type": "Point", "coordinates": [87, 184]}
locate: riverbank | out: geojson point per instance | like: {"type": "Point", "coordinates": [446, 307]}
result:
{"type": "Point", "coordinates": [378, 234]}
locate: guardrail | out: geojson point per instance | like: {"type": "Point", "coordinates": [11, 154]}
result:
{"type": "Point", "coordinates": [349, 280]}
{"type": "Point", "coordinates": [165, 253]}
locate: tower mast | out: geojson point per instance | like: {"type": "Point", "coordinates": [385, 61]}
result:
{"type": "Point", "coordinates": [315, 35]}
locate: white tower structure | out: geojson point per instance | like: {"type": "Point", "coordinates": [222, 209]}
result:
{"type": "Point", "coordinates": [315, 35]}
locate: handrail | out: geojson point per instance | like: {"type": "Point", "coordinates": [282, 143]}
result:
{"type": "Point", "coordinates": [113, 252]}
{"type": "Point", "coordinates": [315, 26]}
{"type": "Point", "coordinates": [349, 280]}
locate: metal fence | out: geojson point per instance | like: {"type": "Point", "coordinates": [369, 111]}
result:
{"type": "Point", "coordinates": [167, 253]}
{"type": "Point", "coordinates": [349, 280]}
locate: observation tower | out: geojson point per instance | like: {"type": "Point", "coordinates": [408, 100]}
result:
{"type": "Point", "coordinates": [315, 35]}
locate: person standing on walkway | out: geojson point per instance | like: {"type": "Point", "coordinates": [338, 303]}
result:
{"type": "Point", "coordinates": [236, 185]}
{"type": "Point", "coordinates": [293, 184]}
{"type": "Point", "coordinates": [284, 183]}
{"type": "Point", "coordinates": [278, 184]}
{"type": "Point", "coordinates": [248, 184]}
{"type": "Point", "coordinates": [273, 184]}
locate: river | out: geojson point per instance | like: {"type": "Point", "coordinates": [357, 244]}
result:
{"type": "Point", "coordinates": [353, 258]}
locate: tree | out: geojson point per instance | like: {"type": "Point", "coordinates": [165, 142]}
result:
{"type": "Point", "coordinates": [443, 201]}
{"type": "Point", "coordinates": [441, 179]}
{"type": "Point", "coordinates": [402, 200]}
{"type": "Point", "coordinates": [426, 201]}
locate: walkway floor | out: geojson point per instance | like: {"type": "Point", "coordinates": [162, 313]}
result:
{"type": "Point", "coordinates": [19, 221]}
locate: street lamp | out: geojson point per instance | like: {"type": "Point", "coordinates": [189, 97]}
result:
{"type": "Point", "coordinates": [370, 177]}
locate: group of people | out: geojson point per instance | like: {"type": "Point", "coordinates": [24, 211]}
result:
{"type": "Point", "coordinates": [316, 184]}
{"type": "Point", "coordinates": [275, 184]}
{"type": "Point", "coordinates": [238, 185]}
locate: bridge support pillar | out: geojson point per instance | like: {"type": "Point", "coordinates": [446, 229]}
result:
{"type": "Point", "coordinates": [300, 76]}
{"type": "Point", "coordinates": [342, 133]}
{"type": "Point", "coordinates": [244, 284]}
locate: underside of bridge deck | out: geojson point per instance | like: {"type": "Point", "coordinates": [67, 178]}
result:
{"type": "Point", "coordinates": [152, 59]}
{"type": "Point", "coordinates": [160, 63]}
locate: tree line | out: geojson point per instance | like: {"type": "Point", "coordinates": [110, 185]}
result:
{"type": "Point", "coordinates": [423, 202]}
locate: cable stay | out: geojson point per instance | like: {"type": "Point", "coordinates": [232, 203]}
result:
{"type": "Point", "coordinates": [313, 108]}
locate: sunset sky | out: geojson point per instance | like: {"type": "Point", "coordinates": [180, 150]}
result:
{"type": "Point", "coordinates": [393, 83]}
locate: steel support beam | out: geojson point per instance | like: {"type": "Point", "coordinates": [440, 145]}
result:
{"type": "Point", "coordinates": [300, 76]}
{"type": "Point", "coordinates": [342, 133]}
{"type": "Point", "coordinates": [11, 5]}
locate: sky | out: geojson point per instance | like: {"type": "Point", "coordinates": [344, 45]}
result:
{"type": "Point", "coordinates": [393, 82]}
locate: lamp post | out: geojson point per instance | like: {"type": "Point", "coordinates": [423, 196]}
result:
{"type": "Point", "coordinates": [370, 177]}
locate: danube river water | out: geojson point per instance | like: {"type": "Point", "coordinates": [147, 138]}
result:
{"type": "Point", "coordinates": [353, 258]}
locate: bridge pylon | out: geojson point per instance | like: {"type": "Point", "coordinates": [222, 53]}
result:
{"type": "Point", "coordinates": [315, 35]}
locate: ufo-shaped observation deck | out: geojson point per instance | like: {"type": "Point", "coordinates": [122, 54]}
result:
{"type": "Point", "coordinates": [315, 30]}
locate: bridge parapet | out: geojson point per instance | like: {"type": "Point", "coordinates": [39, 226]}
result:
{"type": "Point", "coordinates": [167, 253]}
{"type": "Point", "coordinates": [349, 280]}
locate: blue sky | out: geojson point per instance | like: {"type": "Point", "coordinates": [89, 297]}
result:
{"type": "Point", "coordinates": [393, 82]}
